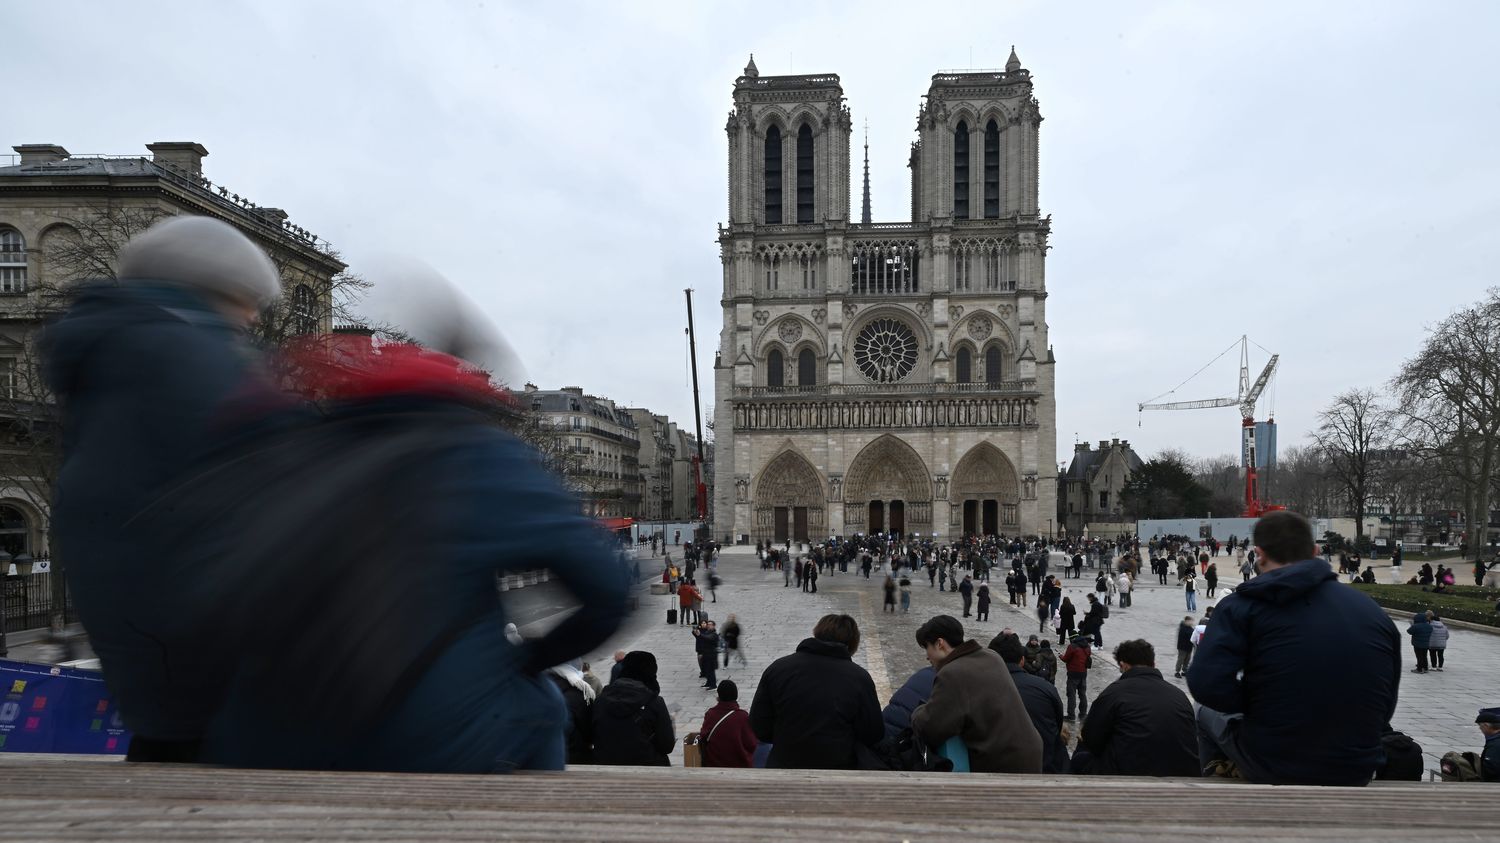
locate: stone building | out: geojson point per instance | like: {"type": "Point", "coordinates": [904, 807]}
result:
{"type": "Point", "coordinates": [1089, 491]}
{"type": "Point", "coordinates": [64, 218]}
{"type": "Point", "coordinates": [884, 376]}
{"type": "Point", "coordinates": [658, 453]}
{"type": "Point", "coordinates": [603, 444]}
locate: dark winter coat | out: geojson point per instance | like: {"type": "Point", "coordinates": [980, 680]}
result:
{"type": "Point", "coordinates": [1420, 631]}
{"type": "Point", "coordinates": [469, 698]}
{"type": "Point", "coordinates": [1313, 714]}
{"type": "Point", "coordinates": [632, 726]}
{"type": "Point", "coordinates": [733, 743]}
{"type": "Point", "coordinates": [975, 700]}
{"type": "Point", "coordinates": [144, 376]}
{"type": "Point", "coordinates": [580, 731]}
{"type": "Point", "coordinates": [1045, 708]}
{"type": "Point", "coordinates": [1066, 615]}
{"type": "Point", "coordinates": [897, 713]}
{"type": "Point", "coordinates": [1184, 637]}
{"type": "Point", "coordinates": [1093, 620]}
{"type": "Point", "coordinates": [815, 707]}
{"type": "Point", "coordinates": [1141, 725]}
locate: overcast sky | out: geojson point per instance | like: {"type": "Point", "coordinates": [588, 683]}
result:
{"type": "Point", "coordinates": [1322, 176]}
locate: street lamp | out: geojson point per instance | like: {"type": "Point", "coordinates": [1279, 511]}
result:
{"type": "Point", "coordinates": [4, 576]}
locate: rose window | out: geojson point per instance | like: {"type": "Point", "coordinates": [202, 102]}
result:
{"type": "Point", "coordinates": [885, 351]}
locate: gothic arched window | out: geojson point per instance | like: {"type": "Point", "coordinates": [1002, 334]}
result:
{"type": "Point", "coordinates": [775, 369]}
{"type": "Point", "coordinates": [807, 368]}
{"type": "Point", "coordinates": [963, 366]}
{"type": "Point", "coordinates": [304, 310]}
{"type": "Point", "coordinates": [12, 261]}
{"type": "Point", "coordinates": [991, 171]}
{"type": "Point", "coordinates": [992, 364]}
{"type": "Point", "coordinates": [961, 171]}
{"type": "Point", "coordinates": [804, 174]}
{"type": "Point", "coordinates": [773, 176]}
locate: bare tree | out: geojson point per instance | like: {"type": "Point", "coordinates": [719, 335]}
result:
{"type": "Point", "coordinates": [1351, 431]}
{"type": "Point", "coordinates": [1302, 477]}
{"type": "Point", "coordinates": [1449, 394]}
{"type": "Point", "coordinates": [1222, 476]}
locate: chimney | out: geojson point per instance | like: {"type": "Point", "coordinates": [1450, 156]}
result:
{"type": "Point", "coordinates": [274, 216]}
{"type": "Point", "coordinates": [40, 153]}
{"type": "Point", "coordinates": [530, 387]}
{"type": "Point", "coordinates": [1080, 447]}
{"type": "Point", "coordinates": [185, 157]}
{"type": "Point", "coordinates": [1103, 445]}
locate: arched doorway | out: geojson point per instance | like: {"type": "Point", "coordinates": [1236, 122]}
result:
{"type": "Point", "coordinates": [985, 493]}
{"type": "Point", "coordinates": [887, 490]}
{"type": "Point", "coordinates": [789, 501]}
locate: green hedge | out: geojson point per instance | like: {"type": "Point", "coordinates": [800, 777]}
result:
{"type": "Point", "coordinates": [1467, 603]}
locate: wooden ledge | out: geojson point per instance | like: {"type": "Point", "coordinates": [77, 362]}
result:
{"type": "Point", "coordinates": [60, 800]}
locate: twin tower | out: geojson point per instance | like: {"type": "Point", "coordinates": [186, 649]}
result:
{"type": "Point", "coordinates": [884, 377]}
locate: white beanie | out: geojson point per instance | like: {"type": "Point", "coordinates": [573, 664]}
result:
{"type": "Point", "coordinates": [412, 297]}
{"type": "Point", "coordinates": [203, 254]}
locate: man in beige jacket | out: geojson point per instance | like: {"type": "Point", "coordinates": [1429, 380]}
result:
{"type": "Point", "coordinates": [974, 699]}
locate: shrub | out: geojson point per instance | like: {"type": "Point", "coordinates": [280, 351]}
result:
{"type": "Point", "coordinates": [1466, 603]}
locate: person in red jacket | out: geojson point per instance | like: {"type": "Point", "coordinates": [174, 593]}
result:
{"type": "Point", "coordinates": [727, 738]}
{"type": "Point", "coordinates": [1079, 659]}
{"type": "Point", "coordinates": [687, 595]}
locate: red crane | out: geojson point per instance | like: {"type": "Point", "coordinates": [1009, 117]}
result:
{"type": "Point", "coordinates": [1249, 394]}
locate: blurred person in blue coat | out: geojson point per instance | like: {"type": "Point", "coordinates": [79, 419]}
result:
{"type": "Point", "coordinates": [146, 372]}
{"type": "Point", "coordinates": [370, 631]}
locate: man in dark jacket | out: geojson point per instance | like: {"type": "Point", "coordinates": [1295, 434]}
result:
{"type": "Point", "coordinates": [974, 700]}
{"type": "Point", "coordinates": [631, 724]}
{"type": "Point", "coordinates": [816, 707]}
{"type": "Point", "coordinates": [143, 371]}
{"type": "Point", "coordinates": [1141, 725]}
{"type": "Point", "coordinates": [1280, 711]}
{"type": "Point", "coordinates": [1043, 705]}
{"type": "Point", "coordinates": [966, 591]}
{"type": "Point", "coordinates": [728, 740]}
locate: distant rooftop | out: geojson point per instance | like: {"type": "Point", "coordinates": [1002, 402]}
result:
{"type": "Point", "coordinates": [178, 163]}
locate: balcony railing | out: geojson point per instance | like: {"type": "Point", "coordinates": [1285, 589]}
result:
{"type": "Point", "coordinates": [1004, 387]}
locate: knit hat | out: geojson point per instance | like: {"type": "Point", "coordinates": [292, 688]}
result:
{"type": "Point", "coordinates": [202, 254]}
{"type": "Point", "coordinates": [640, 666]}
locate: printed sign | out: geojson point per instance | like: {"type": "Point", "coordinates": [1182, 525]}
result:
{"type": "Point", "coordinates": [58, 709]}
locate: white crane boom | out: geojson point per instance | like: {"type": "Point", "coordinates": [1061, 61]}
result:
{"type": "Point", "coordinates": [1247, 404]}
{"type": "Point", "coordinates": [1190, 405]}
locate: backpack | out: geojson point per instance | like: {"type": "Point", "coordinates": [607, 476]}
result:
{"type": "Point", "coordinates": [1403, 758]}
{"type": "Point", "coordinates": [1105, 607]}
{"type": "Point", "coordinates": [1460, 767]}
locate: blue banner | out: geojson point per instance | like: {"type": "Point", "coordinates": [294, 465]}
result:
{"type": "Point", "coordinates": [58, 709]}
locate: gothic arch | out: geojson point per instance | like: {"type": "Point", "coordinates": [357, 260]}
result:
{"type": "Point", "coordinates": [992, 111]}
{"type": "Point", "coordinates": [963, 114]}
{"type": "Point", "coordinates": [772, 335]}
{"type": "Point", "coordinates": [887, 468]}
{"type": "Point", "coordinates": [791, 484]}
{"type": "Point", "coordinates": [919, 326]}
{"type": "Point", "coordinates": [808, 115]}
{"type": "Point", "coordinates": [769, 116]}
{"type": "Point", "coordinates": [985, 472]}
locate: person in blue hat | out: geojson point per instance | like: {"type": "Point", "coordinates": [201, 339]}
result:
{"type": "Point", "coordinates": [1489, 725]}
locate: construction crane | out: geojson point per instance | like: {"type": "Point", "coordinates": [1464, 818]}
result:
{"type": "Point", "coordinates": [1249, 394]}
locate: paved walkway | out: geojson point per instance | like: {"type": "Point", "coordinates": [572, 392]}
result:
{"type": "Point", "coordinates": [1436, 709]}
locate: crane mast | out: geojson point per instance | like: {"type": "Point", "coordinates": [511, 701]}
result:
{"type": "Point", "coordinates": [1246, 398]}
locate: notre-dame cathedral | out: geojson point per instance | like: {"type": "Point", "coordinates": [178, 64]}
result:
{"type": "Point", "coordinates": [886, 377]}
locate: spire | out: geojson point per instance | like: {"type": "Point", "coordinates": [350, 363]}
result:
{"type": "Point", "coordinates": [1014, 63]}
{"type": "Point", "coordinates": [752, 71]}
{"type": "Point", "coordinates": [864, 216]}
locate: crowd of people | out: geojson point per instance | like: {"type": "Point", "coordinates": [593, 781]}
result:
{"type": "Point", "coordinates": [298, 633]}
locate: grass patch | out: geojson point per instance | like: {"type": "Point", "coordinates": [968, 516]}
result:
{"type": "Point", "coordinates": [1466, 603]}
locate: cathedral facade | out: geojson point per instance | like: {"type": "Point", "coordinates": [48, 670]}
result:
{"type": "Point", "coordinates": [887, 377]}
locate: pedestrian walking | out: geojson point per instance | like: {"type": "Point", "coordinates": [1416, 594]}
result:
{"type": "Point", "coordinates": [1067, 615]}
{"type": "Point", "coordinates": [984, 602]}
{"type": "Point", "coordinates": [1211, 578]}
{"type": "Point", "coordinates": [890, 595]}
{"type": "Point", "coordinates": [1078, 659]}
{"type": "Point", "coordinates": [731, 636]}
{"type": "Point", "coordinates": [1184, 646]}
{"type": "Point", "coordinates": [1190, 592]}
{"type": "Point", "coordinates": [905, 595]}
{"type": "Point", "coordinates": [1437, 644]}
{"type": "Point", "coordinates": [966, 591]}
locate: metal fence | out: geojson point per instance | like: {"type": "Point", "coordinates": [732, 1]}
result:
{"type": "Point", "coordinates": [27, 602]}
